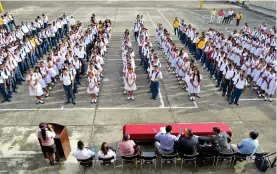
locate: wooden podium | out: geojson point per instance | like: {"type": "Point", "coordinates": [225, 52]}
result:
{"type": "Point", "coordinates": [62, 142]}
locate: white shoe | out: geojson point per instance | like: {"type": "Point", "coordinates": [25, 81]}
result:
{"type": "Point", "coordinates": [270, 100]}
{"type": "Point", "coordinates": [265, 99]}
{"type": "Point", "coordinates": [41, 102]}
{"type": "Point", "coordinates": [47, 95]}
{"type": "Point", "coordinates": [128, 98]}
{"type": "Point", "coordinates": [125, 92]}
{"type": "Point", "coordinates": [190, 98]}
{"type": "Point", "coordinates": [193, 98]}
{"type": "Point", "coordinates": [37, 102]}
{"type": "Point", "coordinates": [180, 83]}
{"type": "Point", "coordinates": [132, 98]}
{"type": "Point", "coordinates": [95, 101]}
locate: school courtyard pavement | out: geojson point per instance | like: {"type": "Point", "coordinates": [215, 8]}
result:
{"type": "Point", "coordinates": [94, 124]}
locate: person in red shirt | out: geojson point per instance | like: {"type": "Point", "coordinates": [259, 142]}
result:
{"type": "Point", "coordinates": [220, 16]}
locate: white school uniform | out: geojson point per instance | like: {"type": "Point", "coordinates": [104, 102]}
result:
{"type": "Point", "coordinates": [41, 81]}
{"type": "Point", "coordinates": [192, 89]}
{"type": "Point", "coordinates": [261, 79]}
{"type": "Point", "coordinates": [130, 79]}
{"type": "Point", "coordinates": [37, 91]}
{"type": "Point", "coordinates": [44, 71]}
{"type": "Point", "coordinates": [91, 83]}
{"type": "Point", "coordinates": [272, 85]}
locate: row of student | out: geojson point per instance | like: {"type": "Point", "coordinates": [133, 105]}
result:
{"type": "Point", "coordinates": [22, 48]}
{"type": "Point", "coordinates": [129, 66]}
{"type": "Point", "coordinates": [182, 66]}
{"type": "Point", "coordinates": [149, 59]}
{"type": "Point", "coordinates": [67, 63]}
{"type": "Point", "coordinates": [215, 52]}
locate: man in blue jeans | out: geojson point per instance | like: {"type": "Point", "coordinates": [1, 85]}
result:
{"type": "Point", "coordinates": [155, 82]}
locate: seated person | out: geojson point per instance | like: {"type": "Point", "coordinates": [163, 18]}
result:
{"type": "Point", "coordinates": [83, 153]}
{"type": "Point", "coordinates": [222, 139]}
{"type": "Point", "coordinates": [165, 141]}
{"type": "Point", "coordinates": [128, 147]}
{"type": "Point", "coordinates": [187, 143]}
{"type": "Point", "coordinates": [247, 145]}
{"type": "Point", "coordinates": [106, 152]}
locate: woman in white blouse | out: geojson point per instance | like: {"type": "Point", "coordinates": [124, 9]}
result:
{"type": "Point", "coordinates": [106, 152]}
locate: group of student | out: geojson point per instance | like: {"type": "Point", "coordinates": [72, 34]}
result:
{"type": "Point", "coordinates": [183, 67]}
{"type": "Point", "coordinates": [68, 46]}
{"type": "Point", "coordinates": [245, 58]}
{"type": "Point", "coordinates": [22, 46]}
{"type": "Point", "coordinates": [149, 58]}
{"type": "Point", "coordinates": [90, 45]}
{"type": "Point", "coordinates": [225, 17]}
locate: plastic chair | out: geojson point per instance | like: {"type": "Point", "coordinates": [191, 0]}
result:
{"type": "Point", "coordinates": [129, 159]}
{"type": "Point", "coordinates": [107, 162]}
{"type": "Point", "coordinates": [168, 159]}
{"type": "Point", "coordinates": [225, 156]}
{"type": "Point", "coordinates": [148, 158]}
{"type": "Point", "coordinates": [189, 158]}
{"type": "Point", "coordinates": [239, 156]}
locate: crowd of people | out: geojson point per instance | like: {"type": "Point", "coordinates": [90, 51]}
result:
{"type": "Point", "coordinates": [225, 17]}
{"type": "Point", "coordinates": [67, 48]}
{"type": "Point", "coordinates": [246, 57]}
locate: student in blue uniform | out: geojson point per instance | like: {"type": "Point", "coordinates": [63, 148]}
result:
{"type": "Point", "coordinates": [155, 82]}
{"type": "Point", "coordinates": [239, 87]}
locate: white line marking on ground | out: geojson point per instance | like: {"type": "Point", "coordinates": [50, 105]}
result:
{"type": "Point", "coordinates": [165, 19]}
{"type": "Point", "coordinates": [205, 16]}
{"type": "Point", "coordinates": [253, 99]}
{"type": "Point", "coordinates": [226, 29]}
{"type": "Point", "coordinates": [195, 104]}
{"type": "Point", "coordinates": [127, 108]}
{"type": "Point", "coordinates": [151, 19]}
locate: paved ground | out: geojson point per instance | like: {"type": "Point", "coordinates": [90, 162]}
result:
{"type": "Point", "coordinates": [104, 121]}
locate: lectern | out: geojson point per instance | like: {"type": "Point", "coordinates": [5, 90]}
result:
{"type": "Point", "coordinates": [62, 142]}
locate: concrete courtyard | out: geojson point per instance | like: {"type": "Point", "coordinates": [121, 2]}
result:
{"type": "Point", "coordinates": [94, 124]}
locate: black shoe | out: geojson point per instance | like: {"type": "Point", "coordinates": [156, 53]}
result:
{"type": "Point", "coordinates": [223, 95]}
{"type": "Point", "coordinates": [4, 101]}
{"type": "Point", "coordinates": [230, 103]}
{"type": "Point", "coordinates": [73, 102]}
{"type": "Point", "coordinates": [149, 92]}
{"type": "Point", "coordinates": [14, 91]}
{"type": "Point", "coordinates": [79, 84]}
{"type": "Point", "coordinates": [67, 102]}
{"type": "Point", "coordinates": [237, 104]}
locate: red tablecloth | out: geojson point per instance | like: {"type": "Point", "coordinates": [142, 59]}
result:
{"type": "Point", "coordinates": [147, 132]}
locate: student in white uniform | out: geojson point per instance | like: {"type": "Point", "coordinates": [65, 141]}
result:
{"type": "Point", "coordinates": [130, 84]}
{"type": "Point", "coordinates": [194, 87]}
{"type": "Point", "coordinates": [68, 85]}
{"type": "Point", "coordinates": [239, 87]}
{"type": "Point", "coordinates": [35, 88]}
{"type": "Point", "coordinates": [42, 81]}
{"type": "Point", "coordinates": [93, 87]}
{"type": "Point", "coordinates": [270, 85]}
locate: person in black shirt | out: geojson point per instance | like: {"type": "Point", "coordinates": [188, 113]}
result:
{"type": "Point", "coordinates": [187, 143]}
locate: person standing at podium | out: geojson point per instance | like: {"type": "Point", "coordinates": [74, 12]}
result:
{"type": "Point", "coordinates": [46, 135]}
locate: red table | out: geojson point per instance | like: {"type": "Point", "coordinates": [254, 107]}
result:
{"type": "Point", "coordinates": [147, 132]}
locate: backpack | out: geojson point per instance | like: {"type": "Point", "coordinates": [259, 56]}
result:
{"type": "Point", "coordinates": [262, 161]}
